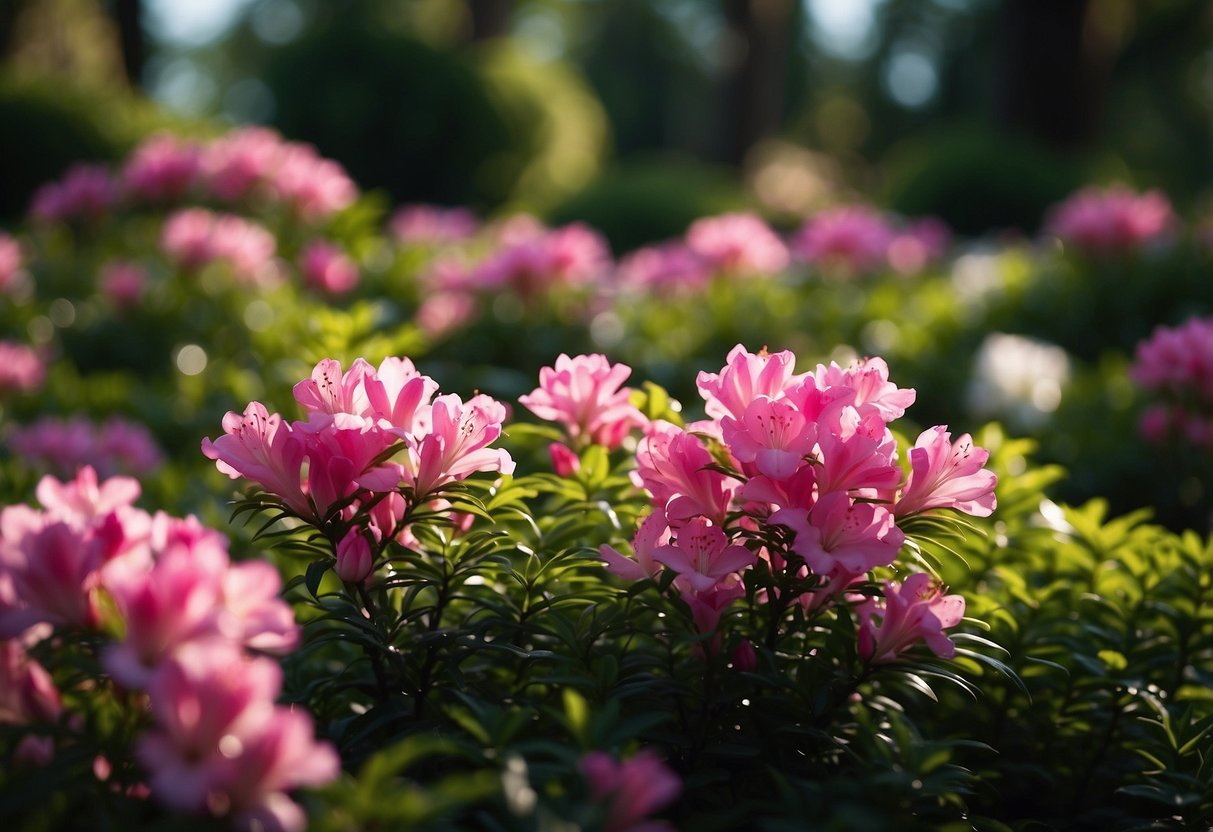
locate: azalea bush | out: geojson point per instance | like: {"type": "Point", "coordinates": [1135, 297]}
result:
{"type": "Point", "coordinates": [320, 514]}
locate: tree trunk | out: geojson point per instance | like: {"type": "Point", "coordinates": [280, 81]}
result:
{"type": "Point", "coordinates": [758, 45]}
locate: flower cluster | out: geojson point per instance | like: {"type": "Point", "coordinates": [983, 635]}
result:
{"type": "Point", "coordinates": [812, 472]}
{"type": "Point", "coordinates": [22, 368]}
{"type": "Point", "coordinates": [1175, 366]}
{"type": "Point", "coordinates": [63, 446]}
{"type": "Point", "coordinates": [1110, 221]}
{"type": "Point", "coordinates": [857, 240]}
{"type": "Point", "coordinates": [190, 626]}
{"type": "Point", "coordinates": [196, 237]}
{"type": "Point", "coordinates": [375, 441]}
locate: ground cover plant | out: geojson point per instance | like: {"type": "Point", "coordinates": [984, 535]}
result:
{"type": "Point", "coordinates": [323, 515]}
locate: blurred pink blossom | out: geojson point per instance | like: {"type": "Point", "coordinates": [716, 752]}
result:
{"type": "Point", "coordinates": [163, 168]}
{"type": "Point", "coordinates": [631, 791]}
{"type": "Point", "coordinates": [666, 268]}
{"type": "Point", "coordinates": [123, 282]}
{"type": "Point", "coordinates": [10, 262]}
{"type": "Point", "coordinates": [85, 192]}
{"type": "Point", "coordinates": [852, 239]}
{"type": "Point", "coordinates": [63, 446]}
{"type": "Point", "coordinates": [583, 393]}
{"type": "Point", "coordinates": [22, 369]}
{"type": "Point", "coordinates": [195, 237]}
{"type": "Point", "coordinates": [328, 268]}
{"type": "Point", "coordinates": [737, 243]}
{"type": "Point", "coordinates": [433, 225]}
{"type": "Point", "coordinates": [911, 612]}
{"type": "Point", "coordinates": [1113, 220]}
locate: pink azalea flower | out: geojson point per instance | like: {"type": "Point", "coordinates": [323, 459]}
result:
{"type": "Point", "coordinates": [10, 262]}
{"type": "Point", "coordinates": [237, 163]}
{"type": "Point", "coordinates": [869, 378]}
{"type": "Point", "coordinates": [433, 225]}
{"type": "Point", "coordinates": [53, 569]}
{"type": "Point", "coordinates": [195, 237]}
{"type": "Point", "coordinates": [458, 442]}
{"type": "Point", "coordinates": [332, 392]}
{"type": "Point", "coordinates": [737, 244]}
{"type": "Point", "coordinates": [858, 457]}
{"type": "Point", "coordinates": [667, 268]}
{"type": "Point", "coordinates": [27, 692]}
{"type": "Point", "coordinates": [773, 435]}
{"type": "Point", "coordinates": [252, 613]}
{"type": "Point", "coordinates": [1112, 220]}
{"type": "Point", "coordinates": [315, 188]}
{"type": "Point", "coordinates": [947, 475]}
{"type": "Point", "coordinates": [745, 377]}
{"type": "Point", "coordinates": [584, 394]}
{"type": "Point", "coordinates": [328, 268]}
{"type": "Point", "coordinates": [64, 446]}
{"type": "Point", "coordinates": [1177, 362]}
{"type": "Point", "coordinates": [919, 245]}
{"type": "Point", "coordinates": [123, 283]}
{"type": "Point", "coordinates": [85, 499]}
{"type": "Point", "coordinates": [630, 791]}
{"type": "Point", "coordinates": [22, 369]}
{"type": "Point", "coordinates": [442, 312]}
{"type": "Point", "coordinates": [702, 556]}
{"type": "Point", "coordinates": [836, 532]}
{"type": "Point", "coordinates": [565, 462]}
{"type": "Point", "coordinates": [86, 192]}
{"type": "Point", "coordinates": [854, 240]}
{"type": "Point", "coordinates": [914, 611]}
{"type": "Point", "coordinates": [163, 168]}
{"type": "Point", "coordinates": [673, 466]}
{"type": "Point", "coordinates": [536, 262]}
{"type": "Point", "coordinates": [259, 446]}
{"type": "Point", "coordinates": [653, 534]}
{"type": "Point", "coordinates": [398, 395]}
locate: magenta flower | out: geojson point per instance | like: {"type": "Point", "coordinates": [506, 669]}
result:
{"type": "Point", "coordinates": [584, 394]}
{"type": "Point", "coordinates": [53, 569]}
{"type": "Point", "coordinates": [195, 237]}
{"type": "Point", "coordinates": [773, 435]}
{"type": "Point", "coordinates": [457, 444]}
{"type": "Point", "coordinates": [918, 245]}
{"type": "Point", "coordinates": [673, 466]}
{"type": "Point", "coordinates": [1177, 362]}
{"type": "Point", "coordinates": [702, 556]}
{"type": "Point", "coordinates": [737, 244]}
{"type": "Point", "coordinates": [839, 533]}
{"type": "Point", "coordinates": [667, 268]}
{"type": "Point", "coordinates": [64, 446]}
{"type": "Point", "coordinates": [653, 534]}
{"type": "Point", "coordinates": [912, 612]}
{"type": "Point", "coordinates": [442, 312]}
{"type": "Point", "coordinates": [533, 262]}
{"type": "Point", "coordinates": [858, 456]}
{"type": "Point", "coordinates": [313, 187]}
{"type": "Point", "coordinates": [123, 282]}
{"type": "Point", "coordinates": [27, 692]}
{"type": "Point", "coordinates": [745, 377]}
{"type": "Point", "coordinates": [869, 378]}
{"type": "Point", "coordinates": [86, 192]}
{"type": "Point", "coordinates": [10, 263]}
{"type": "Point", "coordinates": [326, 267]}
{"type": "Point", "coordinates": [84, 500]}
{"type": "Point", "coordinates": [259, 446]}
{"type": "Point", "coordinates": [630, 791]}
{"type": "Point", "coordinates": [1112, 220]}
{"type": "Point", "coordinates": [944, 474]}
{"type": "Point", "coordinates": [163, 168]}
{"type": "Point", "coordinates": [433, 225]}
{"type": "Point", "coordinates": [238, 163]}
{"type": "Point", "coordinates": [22, 369]}
{"type": "Point", "coordinates": [853, 240]}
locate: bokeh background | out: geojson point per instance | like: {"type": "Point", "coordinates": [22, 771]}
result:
{"type": "Point", "coordinates": [639, 115]}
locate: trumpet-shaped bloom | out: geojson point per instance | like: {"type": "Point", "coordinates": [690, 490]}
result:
{"type": "Point", "coordinates": [583, 393]}
{"type": "Point", "coordinates": [702, 556]}
{"type": "Point", "coordinates": [873, 390]}
{"type": "Point", "coordinates": [773, 435]}
{"type": "Point", "coordinates": [630, 791]}
{"type": "Point", "coordinates": [838, 533]}
{"type": "Point", "coordinates": [653, 534]}
{"type": "Point", "coordinates": [745, 377]}
{"type": "Point", "coordinates": [673, 466]}
{"type": "Point", "coordinates": [259, 446]}
{"type": "Point", "coordinates": [944, 474]}
{"type": "Point", "coordinates": [912, 612]}
{"type": "Point", "coordinates": [458, 442]}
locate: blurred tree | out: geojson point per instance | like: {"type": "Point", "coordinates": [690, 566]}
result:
{"type": "Point", "coordinates": [128, 15]}
{"type": "Point", "coordinates": [758, 47]}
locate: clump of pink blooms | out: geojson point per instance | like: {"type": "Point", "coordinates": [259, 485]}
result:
{"type": "Point", "coordinates": [738, 243]}
{"type": "Point", "coordinates": [857, 240]}
{"type": "Point", "coordinates": [22, 368]}
{"type": "Point", "coordinates": [164, 168]}
{"type": "Point", "coordinates": [667, 268]}
{"type": "Point", "coordinates": [328, 268]}
{"type": "Point", "coordinates": [194, 627]}
{"type": "Point", "coordinates": [10, 262]}
{"type": "Point", "coordinates": [85, 192]}
{"type": "Point", "coordinates": [432, 225]}
{"type": "Point", "coordinates": [810, 454]}
{"type": "Point", "coordinates": [531, 260]}
{"type": "Point", "coordinates": [1112, 221]}
{"type": "Point", "coordinates": [375, 444]}
{"type": "Point", "coordinates": [123, 282]}
{"type": "Point", "coordinates": [1175, 367]}
{"type": "Point", "coordinates": [196, 237]}
{"type": "Point", "coordinates": [584, 395]}
{"type": "Point", "coordinates": [629, 791]}
{"type": "Point", "coordinates": [63, 446]}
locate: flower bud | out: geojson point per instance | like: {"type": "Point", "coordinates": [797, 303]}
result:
{"type": "Point", "coordinates": [565, 462]}
{"type": "Point", "coordinates": [354, 560]}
